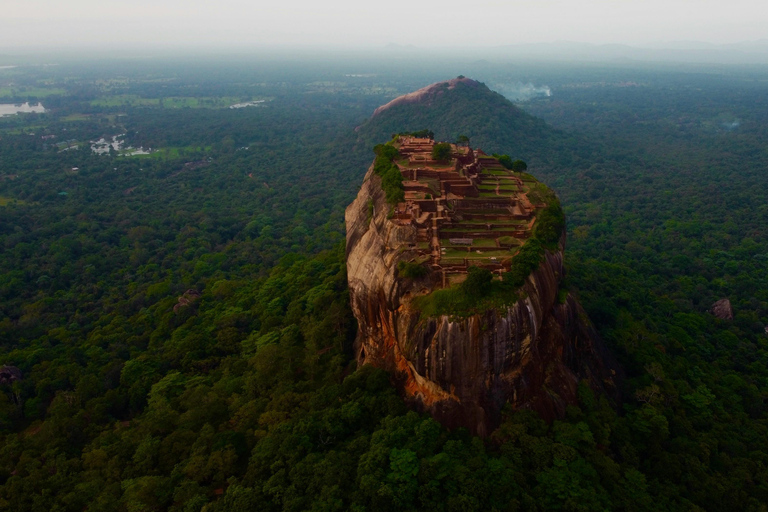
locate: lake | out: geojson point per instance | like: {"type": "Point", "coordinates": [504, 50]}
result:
{"type": "Point", "coordinates": [10, 109]}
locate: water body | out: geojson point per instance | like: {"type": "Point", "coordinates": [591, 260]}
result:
{"type": "Point", "coordinates": [10, 109]}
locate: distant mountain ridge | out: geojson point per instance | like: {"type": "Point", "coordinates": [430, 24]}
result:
{"type": "Point", "coordinates": [692, 52]}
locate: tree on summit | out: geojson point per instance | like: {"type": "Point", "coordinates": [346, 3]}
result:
{"type": "Point", "coordinates": [519, 166]}
{"type": "Point", "coordinates": [514, 165]}
{"type": "Point", "coordinates": [441, 152]}
{"type": "Point", "coordinates": [504, 160]}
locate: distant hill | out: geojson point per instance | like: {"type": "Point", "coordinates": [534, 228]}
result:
{"type": "Point", "coordinates": [463, 106]}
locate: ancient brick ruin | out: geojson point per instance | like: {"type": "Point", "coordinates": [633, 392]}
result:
{"type": "Point", "coordinates": [468, 211]}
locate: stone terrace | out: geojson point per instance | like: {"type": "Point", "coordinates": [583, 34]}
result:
{"type": "Point", "coordinates": [467, 211]}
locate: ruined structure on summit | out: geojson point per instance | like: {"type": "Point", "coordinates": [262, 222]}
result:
{"type": "Point", "coordinates": [458, 343]}
{"type": "Point", "coordinates": [468, 211]}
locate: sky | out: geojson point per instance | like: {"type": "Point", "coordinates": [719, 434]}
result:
{"type": "Point", "coordinates": [360, 24]}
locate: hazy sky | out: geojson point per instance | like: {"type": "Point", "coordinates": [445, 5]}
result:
{"type": "Point", "coordinates": [361, 23]}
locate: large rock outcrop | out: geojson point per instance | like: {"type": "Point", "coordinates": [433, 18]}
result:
{"type": "Point", "coordinates": [463, 371]}
{"type": "Point", "coordinates": [722, 309]}
{"type": "Point", "coordinates": [426, 94]}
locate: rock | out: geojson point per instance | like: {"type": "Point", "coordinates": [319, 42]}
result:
{"type": "Point", "coordinates": [722, 309]}
{"type": "Point", "coordinates": [426, 94]}
{"type": "Point", "coordinates": [532, 354]}
{"type": "Point", "coordinates": [8, 374]}
{"type": "Point", "coordinates": [187, 298]}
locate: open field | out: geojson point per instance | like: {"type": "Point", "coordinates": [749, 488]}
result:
{"type": "Point", "coordinates": [132, 100]}
{"type": "Point", "coordinates": [170, 152]}
{"type": "Point", "coordinates": [30, 92]}
{"type": "Point", "coordinates": [18, 130]}
{"type": "Point", "coordinates": [5, 201]}
{"type": "Point", "coordinates": [75, 117]}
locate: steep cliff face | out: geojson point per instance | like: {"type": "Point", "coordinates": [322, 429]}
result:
{"type": "Point", "coordinates": [463, 370]}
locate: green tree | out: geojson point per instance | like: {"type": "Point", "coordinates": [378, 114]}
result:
{"type": "Point", "coordinates": [519, 166]}
{"type": "Point", "coordinates": [504, 160]}
{"type": "Point", "coordinates": [441, 152]}
{"type": "Point", "coordinates": [478, 282]}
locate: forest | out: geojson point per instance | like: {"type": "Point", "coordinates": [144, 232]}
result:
{"type": "Point", "coordinates": [177, 323]}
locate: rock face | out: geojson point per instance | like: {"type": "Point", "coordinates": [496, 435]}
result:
{"type": "Point", "coordinates": [9, 374]}
{"type": "Point", "coordinates": [426, 94]}
{"type": "Point", "coordinates": [722, 309]}
{"type": "Point", "coordinates": [532, 354]}
{"type": "Point", "coordinates": [188, 298]}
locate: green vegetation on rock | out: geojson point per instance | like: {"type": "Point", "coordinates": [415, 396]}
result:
{"type": "Point", "coordinates": [391, 178]}
{"type": "Point", "coordinates": [412, 270]}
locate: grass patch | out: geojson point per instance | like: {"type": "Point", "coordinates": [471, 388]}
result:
{"type": "Point", "coordinates": [481, 224]}
{"type": "Point", "coordinates": [133, 100]}
{"type": "Point", "coordinates": [75, 117]}
{"type": "Point", "coordinates": [411, 270]}
{"type": "Point", "coordinates": [20, 130]}
{"type": "Point", "coordinates": [485, 253]}
{"type": "Point", "coordinates": [491, 211]}
{"type": "Point", "coordinates": [30, 92]}
{"type": "Point", "coordinates": [509, 240]}
{"type": "Point", "coordinates": [462, 229]}
{"type": "Point", "coordinates": [460, 302]}
{"type": "Point", "coordinates": [9, 201]}
{"type": "Point", "coordinates": [125, 100]}
{"type": "Point", "coordinates": [456, 254]}
{"type": "Point", "coordinates": [433, 184]}
{"type": "Point", "coordinates": [171, 152]}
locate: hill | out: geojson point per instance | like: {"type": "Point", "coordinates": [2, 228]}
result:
{"type": "Point", "coordinates": [462, 106]}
